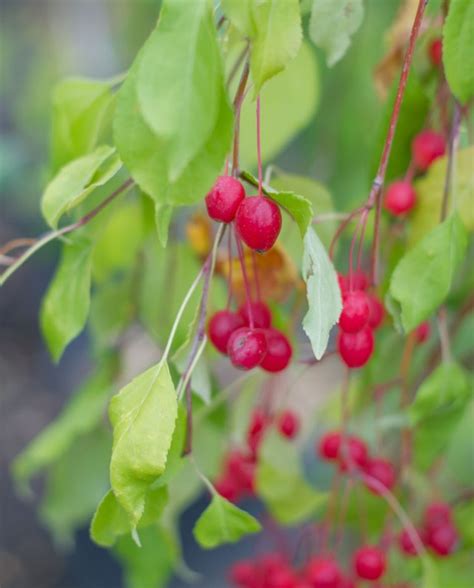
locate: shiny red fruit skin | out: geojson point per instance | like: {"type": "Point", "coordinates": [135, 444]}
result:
{"type": "Point", "coordinates": [289, 424]}
{"type": "Point", "coordinates": [356, 349]}
{"type": "Point", "coordinates": [381, 470]}
{"type": "Point", "coordinates": [437, 514]}
{"type": "Point", "coordinates": [369, 563]}
{"type": "Point", "coordinates": [221, 326]}
{"type": "Point", "coordinates": [261, 314]}
{"type": "Point", "coordinates": [258, 222]}
{"type": "Point", "coordinates": [426, 147]}
{"type": "Point", "coordinates": [442, 539]}
{"type": "Point", "coordinates": [355, 311]}
{"type": "Point", "coordinates": [247, 348]}
{"type": "Point", "coordinates": [400, 198]}
{"type": "Point", "coordinates": [353, 453]}
{"type": "Point", "coordinates": [241, 468]}
{"type": "Point", "coordinates": [279, 352]}
{"type": "Point", "coordinates": [406, 544]}
{"type": "Point", "coordinates": [224, 199]}
{"type": "Point", "coordinates": [329, 445]}
{"type": "Point", "coordinates": [435, 51]}
{"type": "Point", "coordinates": [323, 573]}
{"type": "Point", "coordinates": [376, 311]}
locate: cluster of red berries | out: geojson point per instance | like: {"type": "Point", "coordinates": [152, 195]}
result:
{"type": "Point", "coordinates": [275, 571]}
{"type": "Point", "coordinates": [361, 314]}
{"type": "Point", "coordinates": [257, 218]}
{"type": "Point", "coordinates": [438, 532]}
{"type": "Point", "coordinates": [400, 197]}
{"type": "Point", "coordinates": [351, 453]}
{"type": "Point", "coordinates": [237, 478]}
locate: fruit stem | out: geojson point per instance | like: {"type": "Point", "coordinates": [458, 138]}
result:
{"type": "Point", "coordinates": [229, 277]}
{"type": "Point", "coordinates": [245, 278]}
{"type": "Point", "coordinates": [452, 145]}
{"type": "Point", "coordinates": [255, 275]}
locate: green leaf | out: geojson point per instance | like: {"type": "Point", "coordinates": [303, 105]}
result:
{"type": "Point", "coordinates": [289, 102]}
{"type": "Point", "coordinates": [323, 293]}
{"type": "Point", "coordinates": [82, 113]}
{"type": "Point", "coordinates": [110, 521]}
{"type": "Point", "coordinates": [222, 522]}
{"type": "Point", "coordinates": [65, 306]}
{"type": "Point", "coordinates": [163, 215]}
{"type": "Point", "coordinates": [458, 47]}
{"type": "Point", "coordinates": [430, 191]}
{"type": "Point", "coordinates": [81, 415]}
{"type": "Point", "coordinates": [75, 484]}
{"type": "Point", "coordinates": [143, 416]}
{"type": "Point", "coordinates": [423, 277]}
{"type": "Point", "coordinates": [240, 14]}
{"type": "Point", "coordinates": [179, 56]}
{"type": "Point", "coordinates": [76, 180]}
{"type": "Point", "coordinates": [332, 24]}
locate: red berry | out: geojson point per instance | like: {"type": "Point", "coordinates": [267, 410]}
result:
{"type": "Point", "coordinates": [258, 222]}
{"type": "Point", "coordinates": [435, 51]}
{"type": "Point", "coordinates": [437, 514]}
{"type": "Point", "coordinates": [406, 545]}
{"type": "Point", "coordinates": [359, 282]}
{"type": "Point", "coordinates": [376, 311]}
{"type": "Point", "coordinates": [246, 348]}
{"type": "Point", "coordinates": [261, 314]}
{"type": "Point", "coordinates": [228, 488]}
{"type": "Point", "coordinates": [347, 583]}
{"type": "Point", "coordinates": [289, 424]}
{"type": "Point", "coordinates": [242, 573]}
{"type": "Point", "coordinates": [369, 563]}
{"type": "Point", "coordinates": [279, 351]}
{"type": "Point", "coordinates": [426, 147]}
{"type": "Point", "coordinates": [382, 471]}
{"type": "Point", "coordinates": [355, 311]}
{"type": "Point", "coordinates": [282, 578]}
{"type": "Point", "coordinates": [241, 468]}
{"type": "Point", "coordinates": [221, 326]}
{"type": "Point", "coordinates": [400, 198]}
{"type": "Point", "coordinates": [353, 453]}
{"type": "Point", "coordinates": [329, 445]}
{"type": "Point", "coordinates": [258, 424]}
{"type": "Point", "coordinates": [355, 349]}
{"type": "Point", "coordinates": [423, 332]}
{"type": "Point", "coordinates": [442, 539]}
{"type": "Point", "coordinates": [224, 199]}
{"type": "Point", "coordinates": [323, 573]}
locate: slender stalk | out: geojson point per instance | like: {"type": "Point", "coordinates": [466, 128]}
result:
{"type": "Point", "coordinates": [444, 334]}
{"type": "Point", "coordinates": [239, 98]}
{"type": "Point", "coordinates": [248, 294]}
{"type": "Point", "coordinates": [452, 145]}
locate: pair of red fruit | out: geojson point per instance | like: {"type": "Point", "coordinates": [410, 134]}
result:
{"type": "Point", "coordinates": [438, 532]}
{"type": "Point", "coordinates": [237, 477]}
{"type": "Point", "coordinates": [400, 197]}
{"type": "Point", "coordinates": [275, 571]}
{"type": "Point", "coordinates": [351, 452]}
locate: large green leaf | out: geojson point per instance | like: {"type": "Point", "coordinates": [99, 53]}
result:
{"type": "Point", "coordinates": [288, 103]}
{"type": "Point", "coordinates": [110, 520]}
{"type": "Point", "coordinates": [333, 23]}
{"type": "Point", "coordinates": [180, 81]}
{"type": "Point", "coordinates": [240, 14]}
{"type": "Point", "coordinates": [458, 48]}
{"type": "Point", "coordinates": [65, 306]}
{"type": "Point", "coordinates": [81, 118]}
{"type": "Point", "coordinates": [143, 416]}
{"type": "Point", "coordinates": [423, 277]}
{"type": "Point", "coordinates": [222, 522]}
{"type": "Point", "coordinates": [81, 415]}
{"type": "Point", "coordinates": [76, 180]}
{"type": "Point", "coordinates": [430, 192]}
{"type": "Point", "coordinates": [323, 293]}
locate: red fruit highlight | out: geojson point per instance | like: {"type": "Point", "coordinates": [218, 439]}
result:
{"type": "Point", "coordinates": [224, 199]}
{"type": "Point", "coordinates": [221, 326]}
{"type": "Point", "coordinates": [435, 51]}
{"type": "Point", "coordinates": [323, 573]}
{"type": "Point", "coordinates": [427, 146]}
{"type": "Point", "coordinates": [400, 198]}
{"type": "Point", "coordinates": [356, 349]}
{"type": "Point", "coordinates": [376, 311]}
{"type": "Point", "coordinates": [258, 222]}
{"type": "Point", "coordinates": [261, 314]}
{"type": "Point", "coordinates": [369, 563]}
{"type": "Point", "coordinates": [279, 352]}
{"type": "Point", "coordinates": [382, 471]}
{"type": "Point", "coordinates": [289, 424]}
{"type": "Point", "coordinates": [329, 445]}
{"type": "Point", "coordinates": [247, 348]}
{"type": "Point", "coordinates": [355, 311]}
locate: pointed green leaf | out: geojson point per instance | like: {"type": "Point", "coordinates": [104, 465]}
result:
{"type": "Point", "coordinates": [240, 13]}
{"type": "Point", "coordinates": [458, 48]}
{"type": "Point", "coordinates": [423, 277]}
{"type": "Point", "coordinates": [333, 23]}
{"type": "Point", "coordinates": [143, 416]}
{"type": "Point", "coordinates": [323, 293]}
{"type": "Point", "coordinates": [163, 215]}
{"type": "Point", "coordinates": [222, 522]}
{"type": "Point", "coordinates": [76, 180]}
{"type": "Point", "coordinates": [65, 306]}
